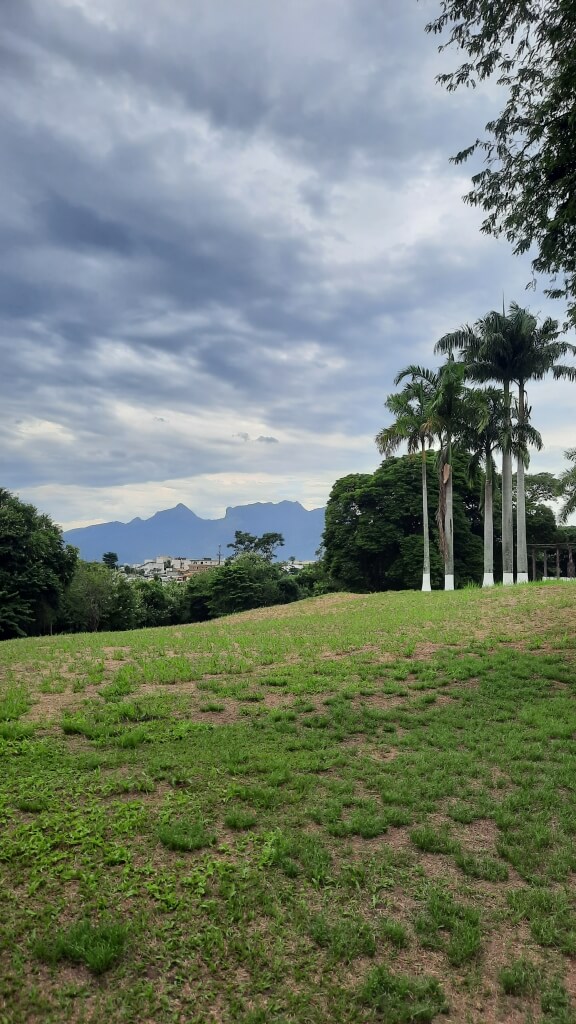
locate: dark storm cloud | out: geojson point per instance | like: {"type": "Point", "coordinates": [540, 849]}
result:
{"type": "Point", "coordinates": [77, 226]}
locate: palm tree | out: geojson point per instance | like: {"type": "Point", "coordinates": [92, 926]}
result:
{"type": "Point", "coordinates": [567, 481]}
{"type": "Point", "coordinates": [484, 351]}
{"type": "Point", "coordinates": [511, 349]}
{"type": "Point", "coordinates": [446, 391]}
{"type": "Point", "coordinates": [410, 409]}
{"type": "Point", "coordinates": [486, 433]}
{"type": "Point", "coordinates": [535, 352]}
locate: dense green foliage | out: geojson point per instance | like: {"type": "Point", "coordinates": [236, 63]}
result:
{"type": "Point", "coordinates": [249, 581]}
{"type": "Point", "coordinates": [373, 534]}
{"type": "Point", "coordinates": [35, 567]}
{"type": "Point", "coordinates": [527, 187]}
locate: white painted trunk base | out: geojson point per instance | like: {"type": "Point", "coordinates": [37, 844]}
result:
{"type": "Point", "coordinates": [488, 580]}
{"type": "Point", "coordinates": [426, 584]}
{"type": "Point", "coordinates": [448, 583]}
{"type": "Point", "coordinates": [522, 577]}
{"type": "Point", "coordinates": [508, 579]}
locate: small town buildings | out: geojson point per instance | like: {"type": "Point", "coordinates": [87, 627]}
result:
{"type": "Point", "coordinates": [173, 567]}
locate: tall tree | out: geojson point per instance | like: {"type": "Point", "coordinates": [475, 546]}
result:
{"type": "Point", "coordinates": [449, 413]}
{"type": "Point", "coordinates": [527, 187]}
{"type": "Point", "coordinates": [484, 435]}
{"type": "Point", "coordinates": [410, 407]}
{"type": "Point", "coordinates": [447, 392]}
{"type": "Point", "coordinates": [485, 353]}
{"type": "Point", "coordinates": [535, 351]}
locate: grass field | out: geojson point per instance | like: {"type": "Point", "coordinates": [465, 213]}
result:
{"type": "Point", "coordinates": [350, 809]}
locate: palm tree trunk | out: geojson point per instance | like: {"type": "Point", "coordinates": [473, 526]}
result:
{"type": "Point", "coordinates": [488, 580]}
{"type": "Point", "coordinates": [507, 526]}
{"type": "Point", "coordinates": [521, 548]}
{"type": "Point", "coordinates": [426, 584]}
{"type": "Point", "coordinates": [449, 523]}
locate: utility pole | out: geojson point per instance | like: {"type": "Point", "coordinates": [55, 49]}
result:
{"type": "Point", "coordinates": [219, 553]}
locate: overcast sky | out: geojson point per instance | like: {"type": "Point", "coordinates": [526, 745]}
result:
{"type": "Point", "coordinates": [224, 227]}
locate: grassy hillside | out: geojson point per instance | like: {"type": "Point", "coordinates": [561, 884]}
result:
{"type": "Point", "coordinates": [350, 809]}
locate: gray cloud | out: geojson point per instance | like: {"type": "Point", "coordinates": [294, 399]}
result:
{"type": "Point", "coordinates": [222, 214]}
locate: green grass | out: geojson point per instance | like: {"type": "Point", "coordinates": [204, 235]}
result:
{"type": "Point", "coordinates": [346, 938]}
{"type": "Point", "coordinates": [334, 811]}
{"type": "Point", "coordinates": [520, 978]}
{"type": "Point", "coordinates": [185, 836]}
{"type": "Point", "coordinates": [238, 818]}
{"type": "Point", "coordinates": [402, 1000]}
{"type": "Point", "coordinates": [98, 947]}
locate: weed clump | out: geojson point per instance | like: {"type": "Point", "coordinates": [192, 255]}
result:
{"type": "Point", "coordinates": [430, 841]}
{"type": "Point", "coordinates": [444, 916]}
{"type": "Point", "coordinates": [185, 836]}
{"type": "Point", "coordinates": [520, 978]}
{"type": "Point", "coordinates": [345, 938]}
{"type": "Point", "coordinates": [237, 818]}
{"type": "Point", "coordinates": [487, 868]}
{"type": "Point", "coordinates": [400, 999]}
{"type": "Point", "coordinates": [552, 921]}
{"type": "Point", "coordinates": [98, 947]}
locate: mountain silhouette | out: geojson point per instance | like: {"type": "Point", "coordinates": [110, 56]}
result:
{"type": "Point", "coordinates": [181, 533]}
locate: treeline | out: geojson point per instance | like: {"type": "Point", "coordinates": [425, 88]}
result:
{"type": "Point", "coordinates": [46, 588]}
{"type": "Point", "coordinates": [99, 598]}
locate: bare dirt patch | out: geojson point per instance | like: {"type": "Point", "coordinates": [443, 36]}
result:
{"type": "Point", "coordinates": [228, 716]}
{"type": "Point", "coordinates": [424, 651]}
{"type": "Point", "coordinates": [382, 756]}
{"type": "Point", "coordinates": [480, 835]}
{"type": "Point", "coordinates": [382, 701]}
{"type": "Point", "coordinates": [277, 700]}
{"type": "Point", "coordinates": [381, 657]}
{"type": "Point", "coordinates": [187, 687]}
{"type": "Point", "coordinates": [48, 706]}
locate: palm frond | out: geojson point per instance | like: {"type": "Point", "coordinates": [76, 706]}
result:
{"type": "Point", "coordinates": [418, 373]}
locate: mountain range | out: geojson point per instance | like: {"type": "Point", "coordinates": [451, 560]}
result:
{"type": "Point", "coordinates": [179, 532]}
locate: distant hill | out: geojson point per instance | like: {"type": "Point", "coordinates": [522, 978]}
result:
{"type": "Point", "coordinates": [180, 532]}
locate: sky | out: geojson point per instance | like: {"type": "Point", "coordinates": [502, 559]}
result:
{"type": "Point", "coordinates": [224, 228]}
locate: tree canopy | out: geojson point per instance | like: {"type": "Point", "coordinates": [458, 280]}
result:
{"type": "Point", "coordinates": [373, 535]}
{"type": "Point", "coordinates": [527, 187]}
{"type": "Point", "coordinates": [247, 544]}
{"type": "Point", "coordinates": [35, 568]}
